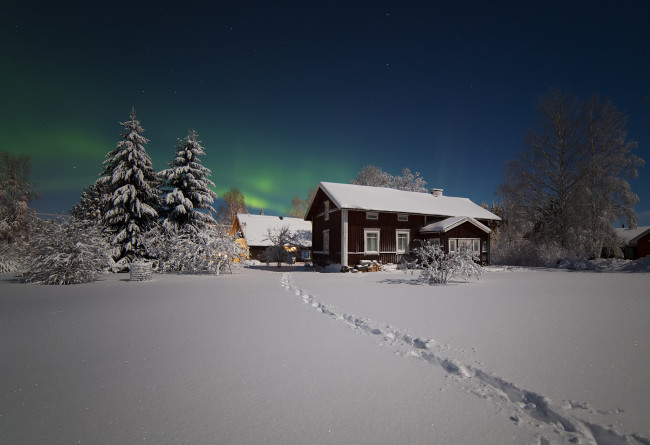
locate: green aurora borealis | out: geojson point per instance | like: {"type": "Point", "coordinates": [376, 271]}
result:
{"type": "Point", "coordinates": [284, 96]}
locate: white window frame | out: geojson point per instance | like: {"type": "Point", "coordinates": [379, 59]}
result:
{"type": "Point", "coordinates": [402, 217]}
{"type": "Point", "coordinates": [367, 232]}
{"type": "Point", "coordinates": [326, 210]}
{"type": "Point", "coordinates": [408, 240]}
{"type": "Point", "coordinates": [474, 244]}
{"type": "Point", "coordinates": [326, 241]}
{"type": "Point", "coordinates": [372, 215]}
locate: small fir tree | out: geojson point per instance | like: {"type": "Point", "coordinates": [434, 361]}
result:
{"type": "Point", "coordinates": [189, 198]}
{"type": "Point", "coordinates": [90, 203]}
{"type": "Point", "coordinates": [132, 195]}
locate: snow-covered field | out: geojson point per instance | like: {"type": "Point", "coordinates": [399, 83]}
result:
{"type": "Point", "coordinates": [292, 357]}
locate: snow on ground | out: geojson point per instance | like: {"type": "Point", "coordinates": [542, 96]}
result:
{"type": "Point", "coordinates": [289, 356]}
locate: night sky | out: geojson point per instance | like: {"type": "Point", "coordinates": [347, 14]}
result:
{"type": "Point", "coordinates": [288, 94]}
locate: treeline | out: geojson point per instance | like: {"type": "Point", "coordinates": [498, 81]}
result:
{"type": "Point", "coordinates": [130, 213]}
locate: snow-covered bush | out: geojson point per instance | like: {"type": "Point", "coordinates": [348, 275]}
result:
{"type": "Point", "coordinates": [10, 257]}
{"type": "Point", "coordinates": [69, 252]}
{"type": "Point", "coordinates": [438, 267]}
{"type": "Point", "coordinates": [200, 252]}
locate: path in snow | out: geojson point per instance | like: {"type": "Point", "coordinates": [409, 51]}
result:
{"type": "Point", "coordinates": [527, 408]}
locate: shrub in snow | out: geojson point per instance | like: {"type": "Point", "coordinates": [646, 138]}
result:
{"type": "Point", "coordinates": [10, 257]}
{"type": "Point", "coordinates": [68, 252]}
{"type": "Point", "coordinates": [207, 251]}
{"type": "Point", "coordinates": [438, 267]}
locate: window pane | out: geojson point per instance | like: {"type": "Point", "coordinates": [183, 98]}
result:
{"type": "Point", "coordinates": [402, 242]}
{"type": "Point", "coordinates": [372, 244]}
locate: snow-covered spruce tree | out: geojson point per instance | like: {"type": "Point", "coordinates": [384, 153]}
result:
{"type": "Point", "coordinates": [439, 267]}
{"type": "Point", "coordinates": [90, 203]}
{"type": "Point", "coordinates": [69, 252]}
{"type": "Point", "coordinates": [189, 198]}
{"type": "Point", "coordinates": [132, 193]}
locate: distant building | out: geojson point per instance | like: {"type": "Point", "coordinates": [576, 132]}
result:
{"type": "Point", "coordinates": [252, 232]}
{"type": "Point", "coordinates": [636, 242]}
{"type": "Point", "coordinates": [352, 223]}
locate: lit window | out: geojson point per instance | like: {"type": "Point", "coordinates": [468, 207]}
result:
{"type": "Point", "coordinates": [402, 241]}
{"type": "Point", "coordinates": [371, 241]}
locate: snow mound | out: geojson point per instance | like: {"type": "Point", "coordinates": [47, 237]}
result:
{"type": "Point", "coordinates": [605, 264]}
{"type": "Point", "coordinates": [331, 268]}
{"type": "Point", "coordinates": [575, 264]}
{"type": "Point", "coordinates": [640, 265]}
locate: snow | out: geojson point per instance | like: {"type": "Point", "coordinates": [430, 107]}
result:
{"type": "Point", "coordinates": [291, 356]}
{"type": "Point", "coordinates": [362, 197]}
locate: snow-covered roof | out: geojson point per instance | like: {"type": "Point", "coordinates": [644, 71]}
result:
{"type": "Point", "coordinates": [449, 223]}
{"type": "Point", "coordinates": [630, 236]}
{"type": "Point", "coordinates": [255, 228]}
{"type": "Point", "coordinates": [362, 197]}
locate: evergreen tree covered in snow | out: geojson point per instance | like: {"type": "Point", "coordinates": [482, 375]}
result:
{"type": "Point", "coordinates": [132, 193]}
{"type": "Point", "coordinates": [90, 203]}
{"type": "Point", "coordinates": [68, 252]}
{"type": "Point", "coordinates": [190, 197]}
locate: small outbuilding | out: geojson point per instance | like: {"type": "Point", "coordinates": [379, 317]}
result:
{"type": "Point", "coordinates": [252, 232]}
{"type": "Point", "coordinates": [636, 242]}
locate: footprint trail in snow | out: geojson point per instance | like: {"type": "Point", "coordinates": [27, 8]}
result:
{"type": "Point", "coordinates": [555, 424]}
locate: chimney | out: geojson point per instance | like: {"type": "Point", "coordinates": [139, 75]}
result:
{"type": "Point", "coordinates": [436, 192]}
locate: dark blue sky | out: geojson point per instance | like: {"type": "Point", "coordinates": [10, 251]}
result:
{"type": "Point", "coordinates": [286, 95]}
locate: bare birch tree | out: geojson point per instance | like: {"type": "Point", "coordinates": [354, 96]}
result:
{"type": "Point", "coordinates": [571, 184]}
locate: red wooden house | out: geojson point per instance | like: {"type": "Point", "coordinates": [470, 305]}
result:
{"type": "Point", "coordinates": [351, 223]}
{"type": "Point", "coordinates": [636, 242]}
